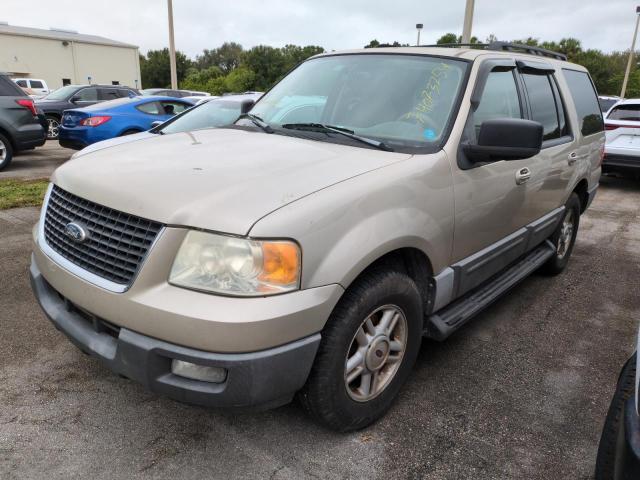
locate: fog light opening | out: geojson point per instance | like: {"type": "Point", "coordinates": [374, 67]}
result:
{"type": "Point", "coordinates": [198, 372]}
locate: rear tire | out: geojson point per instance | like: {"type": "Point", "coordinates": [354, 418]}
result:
{"type": "Point", "coordinates": [367, 351]}
{"type": "Point", "coordinates": [6, 152]}
{"type": "Point", "coordinates": [564, 238]}
{"type": "Point", "coordinates": [54, 127]}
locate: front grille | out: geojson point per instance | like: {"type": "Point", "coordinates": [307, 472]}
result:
{"type": "Point", "coordinates": [116, 242]}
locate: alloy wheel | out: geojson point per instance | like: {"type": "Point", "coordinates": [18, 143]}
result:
{"type": "Point", "coordinates": [3, 151]}
{"type": "Point", "coordinates": [566, 235]}
{"type": "Point", "coordinates": [375, 353]}
{"type": "Point", "coordinates": [54, 128]}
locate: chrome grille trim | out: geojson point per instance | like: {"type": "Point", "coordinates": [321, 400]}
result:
{"type": "Point", "coordinates": [92, 263]}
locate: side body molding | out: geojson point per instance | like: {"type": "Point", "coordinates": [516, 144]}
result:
{"type": "Point", "coordinates": [466, 274]}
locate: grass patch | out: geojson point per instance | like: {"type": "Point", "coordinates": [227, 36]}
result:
{"type": "Point", "coordinates": [22, 193]}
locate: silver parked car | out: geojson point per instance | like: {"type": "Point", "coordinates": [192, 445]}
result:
{"type": "Point", "coordinates": [371, 198]}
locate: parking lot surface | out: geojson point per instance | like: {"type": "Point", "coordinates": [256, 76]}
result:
{"type": "Point", "coordinates": [38, 163]}
{"type": "Point", "coordinates": [521, 392]}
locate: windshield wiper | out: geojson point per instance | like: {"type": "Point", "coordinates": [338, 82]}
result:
{"type": "Point", "coordinates": [341, 130]}
{"type": "Point", "coordinates": [257, 121]}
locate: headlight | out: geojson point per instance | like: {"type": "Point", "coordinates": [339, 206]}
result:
{"type": "Point", "coordinates": [236, 266]}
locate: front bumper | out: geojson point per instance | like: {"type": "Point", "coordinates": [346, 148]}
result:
{"type": "Point", "coordinates": [263, 379]}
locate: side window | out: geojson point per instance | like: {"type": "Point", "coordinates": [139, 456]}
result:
{"type": "Point", "coordinates": [562, 115]}
{"type": "Point", "coordinates": [8, 88]}
{"type": "Point", "coordinates": [173, 108]}
{"type": "Point", "coordinates": [499, 99]}
{"type": "Point", "coordinates": [22, 83]}
{"type": "Point", "coordinates": [152, 108]}
{"type": "Point", "coordinates": [122, 93]}
{"type": "Point", "coordinates": [543, 104]}
{"type": "Point", "coordinates": [36, 84]}
{"type": "Point", "coordinates": [108, 94]}
{"type": "Point", "coordinates": [586, 101]}
{"type": "Point", "coordinates": [87, 95]}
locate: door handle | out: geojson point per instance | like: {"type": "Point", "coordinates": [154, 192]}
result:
{"type": "Point", "coordinates": [523, 175]}
{"type": "Point", "coordinates": [573, 158]}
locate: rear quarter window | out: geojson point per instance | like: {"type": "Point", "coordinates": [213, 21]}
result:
{"type": "Point", "coordinates": [586, 101]}
{"type": "Point", "coordinates": [9, 89]}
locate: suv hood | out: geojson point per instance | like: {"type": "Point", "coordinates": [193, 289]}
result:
{"type": "Point", "coordinates": [214, 179]}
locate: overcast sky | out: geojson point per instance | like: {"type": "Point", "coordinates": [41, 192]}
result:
{"type": "Point", "coordinates": [333, 24]}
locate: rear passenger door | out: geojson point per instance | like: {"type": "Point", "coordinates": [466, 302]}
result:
{"type": "Point", "coordinates": [555, 164]}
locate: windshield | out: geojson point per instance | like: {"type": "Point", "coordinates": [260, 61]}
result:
{"type": "Point", "coordinates": [402, 100]}
{"type": "Point", "coordinates": [62, 93]}
{"type": "Point", "coordinates": [215, 113]}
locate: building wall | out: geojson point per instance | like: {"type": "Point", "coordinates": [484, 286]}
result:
{"type": "Point", "coordinates": [52, 61]}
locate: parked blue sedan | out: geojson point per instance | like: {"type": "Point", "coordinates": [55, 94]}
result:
{"type": "Point", "coordinates": [83, 126]}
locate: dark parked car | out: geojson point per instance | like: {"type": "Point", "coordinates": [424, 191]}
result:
{"type": "Point", "coordinates": [78, 96]}
{"type": "Point", "coordinates": [20, 126]}
{"type": "Point", "coordinates": [619, 449]}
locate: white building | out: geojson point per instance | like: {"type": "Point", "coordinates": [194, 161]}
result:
{"type": "Point", "coordinates": [62, 57]}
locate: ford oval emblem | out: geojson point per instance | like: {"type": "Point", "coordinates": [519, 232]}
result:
{"type": "Point", "coordinates": [75, 232]}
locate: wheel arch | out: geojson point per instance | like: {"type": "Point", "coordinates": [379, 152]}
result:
{"type": "Point", "coordinates": [409, 260]}
{"type": "Point", "coordinates": [582, 190]}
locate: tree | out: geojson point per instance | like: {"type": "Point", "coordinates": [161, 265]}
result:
{"type": "Point", "coordinates": [155, 69]}
{"type": "Point", "coordinates": [452, 38]}
{"type": "Point", "coordinates": [199, 79]}
{"type": "Point", "coordinates": [377, 44]}
{"type": "Point", "coordinates": [226, 57]}
{"type": "Point", "coordinates": [294, 54]}
{"type": "Point", "coordinates": [268, 63]}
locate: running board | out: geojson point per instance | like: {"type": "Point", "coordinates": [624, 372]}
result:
{"type": "Point", "coordinates": [450, 318]}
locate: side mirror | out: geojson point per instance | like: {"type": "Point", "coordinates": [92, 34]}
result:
{"type": "Point", "coordinates": [506, 139]}
{"type": "Point", "coordinates": [246, 106]}
{"type": "Point", "coordinates": [155, 124]}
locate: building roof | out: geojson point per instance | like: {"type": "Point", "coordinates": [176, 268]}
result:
{"type": "Point", "coordinates": [61, 35]}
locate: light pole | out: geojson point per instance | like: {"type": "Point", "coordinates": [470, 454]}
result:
{"type": "Point", "coordinates": [418, 27]}
{"type": "Point", "coordinates": [633, 47]}
{"type": "Point", "coordinates": [172, 48]}
{"type": "Point", "coordinates": [468, 21]}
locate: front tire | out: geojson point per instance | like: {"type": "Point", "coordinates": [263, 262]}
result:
{"type": "Point", "coordinates": [564, 238]}
{"type": "Point", "coordinates": [6, 152]}
{"type": "Point", "coordinates": [367, 351]}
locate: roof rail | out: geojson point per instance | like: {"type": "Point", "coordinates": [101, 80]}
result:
{"type": "Point", "coordinates": [506, 47]}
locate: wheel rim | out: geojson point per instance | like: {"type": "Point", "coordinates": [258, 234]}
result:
{"type": "Point", "coordinates": [566, 235]}
{"type": "Point", "coordinates": [375, 353]}
{"type": "Point", "coordinates": [54, 127]}
{"type": "Point", "coordinates": [3, 151]}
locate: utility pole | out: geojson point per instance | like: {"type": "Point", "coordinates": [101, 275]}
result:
{"type": "Point", "coordinates": [418, 27]}
{"type": "Point", "coordinates": [468, 21]}
{"type": "Point", "coordinates": [172, 49]}
{"type": "Point", "coordinates": [631, 52]}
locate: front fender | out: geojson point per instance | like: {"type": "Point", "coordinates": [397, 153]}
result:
{"type": "Point", "coordinates": [344, 228]}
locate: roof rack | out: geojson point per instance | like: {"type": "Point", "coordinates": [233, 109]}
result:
{"type": "Point", "coordinates": [506, 47]}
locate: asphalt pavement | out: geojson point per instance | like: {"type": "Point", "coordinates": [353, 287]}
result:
{"type": "Point", "coordinates": [519, 393]}
{"type": "Point", "coordinates": [37, 163]}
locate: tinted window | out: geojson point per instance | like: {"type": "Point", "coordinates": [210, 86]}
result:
{"type": "Point", "coordinates": [499, 99]}
{"type": "Point", "coordinates": [606, 103]}
{"type": "Point", "coordinates": [171, 108]}
{"type": "Point", "coordinates": [36, 84]}
{"type": "Point", "coordinates": [543, 104]}
{"type": "Point", "coordinates": [87, 95]}
{"type": "Point", "coordinates": [152, 108]}
{"type": "Point", "coordinates": [586, 101]}
{"type": "Point", "coordinates": [108, 94]}
{"type": "Point", "coordinates": [22, 83]}
{"type": "Point", "coordinates": [9, 89]}
{"type": "Point", "coordinates": [625, 112]}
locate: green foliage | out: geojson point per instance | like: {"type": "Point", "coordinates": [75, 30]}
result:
{"type": "Point", "coordinates": [156, 72]}
{"type": "Point", "coordinates": [229, 68]}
